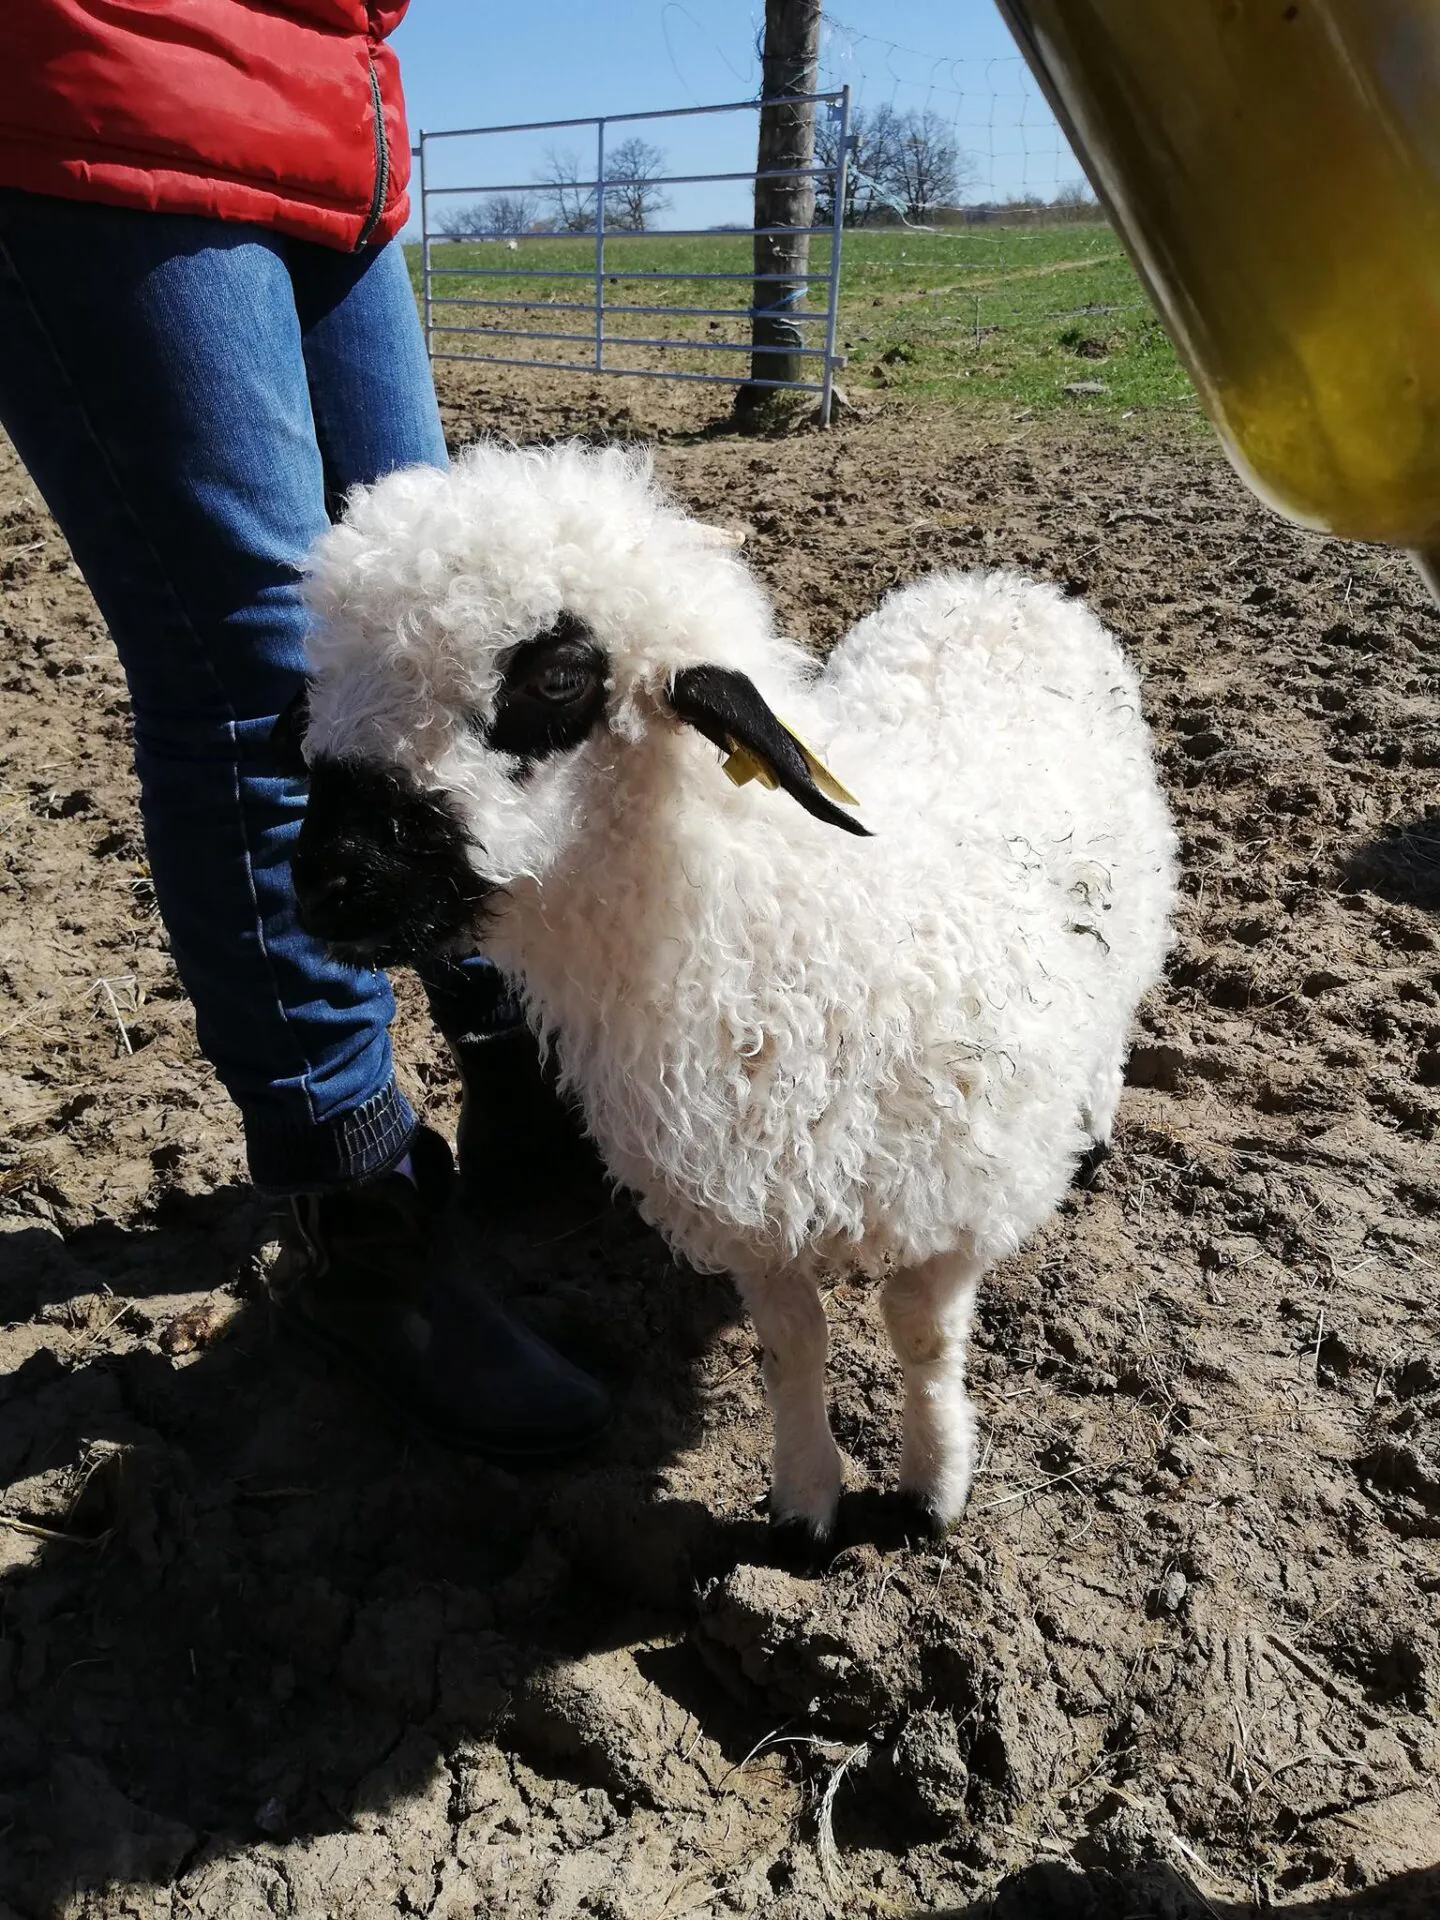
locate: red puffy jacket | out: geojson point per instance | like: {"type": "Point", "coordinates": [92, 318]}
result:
{"type": "Point", "coordinates": [287, 113]}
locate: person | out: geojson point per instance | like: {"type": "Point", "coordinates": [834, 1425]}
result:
{"type": "Point", "coordinates": [207, 335]}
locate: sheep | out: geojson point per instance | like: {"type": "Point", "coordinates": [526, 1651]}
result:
{"type": "Point", "coordinates": [811, 1040]}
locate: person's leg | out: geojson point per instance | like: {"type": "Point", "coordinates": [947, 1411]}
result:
{"type": "Point", "coordinates": [153, 377]}
{"type": "Point", "coordinates": [374, 406]}
{"type": "Point", "coordinates": [154, 382]}
{"type": "Point", "coordinates": [378, 1278]}
{"type": "Point", "coordinates": [373, 399]}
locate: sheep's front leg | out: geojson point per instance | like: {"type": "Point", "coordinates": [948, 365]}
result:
{"type": "Point", "coordinates": [927, 1315]}
{"type": "Point", "coordinates": [790, 1320]}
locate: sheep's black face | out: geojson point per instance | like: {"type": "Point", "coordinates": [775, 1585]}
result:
{"type": "Point", "coordinates": [381, 869]}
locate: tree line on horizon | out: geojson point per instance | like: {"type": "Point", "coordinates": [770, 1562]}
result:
{"type": "Point", "coordinates": [905, 168]}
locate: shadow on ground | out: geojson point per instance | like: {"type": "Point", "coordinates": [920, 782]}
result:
{"type": "Point", "coordinates": [232, 1596]}
{"type": "Point", "coordinates": [1055, 1891]}
{"type": "Point", "coordinates": [1402, 864]}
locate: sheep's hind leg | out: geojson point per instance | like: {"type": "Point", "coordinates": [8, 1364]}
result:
{"type": "Point", "coordinates": [805, 1479]}
{"type": "Point", "coordinates": [927, 1315]}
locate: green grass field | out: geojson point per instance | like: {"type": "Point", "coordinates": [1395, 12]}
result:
{"type": "Point", "coordinates": [1014, 314]}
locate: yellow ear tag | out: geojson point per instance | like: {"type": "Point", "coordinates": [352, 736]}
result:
{"type": "Point", "coordinates": [744, 766]}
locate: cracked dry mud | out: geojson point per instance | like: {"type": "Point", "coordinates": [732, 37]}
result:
{"type": "Point", "coordinates": [261, 1656]}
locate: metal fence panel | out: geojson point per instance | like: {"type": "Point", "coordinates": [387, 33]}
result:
{"type": "Point", "coordinates": [441, 335]}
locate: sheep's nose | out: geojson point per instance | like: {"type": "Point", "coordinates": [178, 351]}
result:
{"type": "Point", "coordinates": [320, 891]}
{"type": "Point", "coordinates": [334, 902]}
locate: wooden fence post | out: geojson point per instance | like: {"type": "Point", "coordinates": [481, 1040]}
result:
{"type": "Point", "coordinates": [790, 67]}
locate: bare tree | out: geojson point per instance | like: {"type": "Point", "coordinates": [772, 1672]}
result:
{"type": "Point", "coordinates": [869, 181]}
{"type": "Point", "coordinates": [507, 213]}
{"type": "Point", "coordinates": [903, 165]}
{"type": "Point", "coordinates": [489, 219]}
{"type": "Point", "coordinates": [928, 166]}
{"type": "Point", "coordinates": [1075, 200]}
{"type": "Point", "coordinates": [558, 185]}
{"type": "Point", "coordinates": [632, 198]}
{"type": "Point", "coordinates": [462, 222]}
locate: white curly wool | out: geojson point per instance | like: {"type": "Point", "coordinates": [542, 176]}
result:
{"type": "Point", "coordinates": [804, 1052]}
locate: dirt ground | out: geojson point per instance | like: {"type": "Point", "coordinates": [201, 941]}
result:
{"type": "Point", "coordinates": [263, 1656]}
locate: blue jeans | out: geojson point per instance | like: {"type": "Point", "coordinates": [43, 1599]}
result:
{"type": "Point", "coordinates": [192, 398]}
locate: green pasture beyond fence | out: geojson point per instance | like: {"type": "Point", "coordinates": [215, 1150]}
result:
{"type": "Point", "coordinates": [1039, 316]}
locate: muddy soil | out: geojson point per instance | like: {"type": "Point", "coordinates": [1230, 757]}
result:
{"type": "Point", "coordinates": [261, 1655]}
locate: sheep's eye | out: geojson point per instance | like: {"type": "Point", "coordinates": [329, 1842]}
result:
{"type": "Point", "coordinates": [552, 693]}
{"type": "Point", "coordinates": [564, 680]}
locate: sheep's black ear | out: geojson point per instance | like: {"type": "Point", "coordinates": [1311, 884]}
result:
{"type": "Point", "coordinates": [287, 736]}
{"type": "Point", "coordinates": [727, 708]}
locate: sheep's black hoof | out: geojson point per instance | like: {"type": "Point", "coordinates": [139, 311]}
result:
{"type": "Point", "coordinates": [1090, 1164]}
{"type": "Point", "coordinates": [797, 1547]}
{"type": "Point", "coordinates": [918, 1520]}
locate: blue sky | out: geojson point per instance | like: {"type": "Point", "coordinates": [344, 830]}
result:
{"type": "Point", "coordinates": [471, 63]}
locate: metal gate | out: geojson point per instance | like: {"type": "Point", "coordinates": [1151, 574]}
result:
{"type": "Point", "coordinates": [457, 326]}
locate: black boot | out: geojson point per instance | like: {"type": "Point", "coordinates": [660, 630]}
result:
{"type": "Point", "coordinates": [382, 1278]}
{"type": "Point", "coordinates": [519, 1143]}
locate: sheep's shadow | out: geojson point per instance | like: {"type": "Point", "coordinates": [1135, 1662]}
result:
{"type": "Point", "coordinates": [233, 1586]}
{"type": "Point", "coordinates": [1402, 864]}
{"type": "Point", "coordinates": [1161, 1891]}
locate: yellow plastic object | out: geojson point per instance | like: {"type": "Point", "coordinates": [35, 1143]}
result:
{"type": "Point", "coordinates": [1273, 167]}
